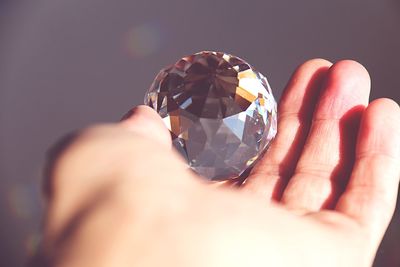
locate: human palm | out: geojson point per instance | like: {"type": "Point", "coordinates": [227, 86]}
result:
{"type": "Point", "coordinates": [322, 195]}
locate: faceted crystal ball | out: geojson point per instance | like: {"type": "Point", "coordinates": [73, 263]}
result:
{"type": "Point", "coordinates": [220, 111]}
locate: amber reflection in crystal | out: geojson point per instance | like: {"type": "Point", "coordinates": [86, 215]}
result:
{"type": "Point", "coordinates": [220, 111]}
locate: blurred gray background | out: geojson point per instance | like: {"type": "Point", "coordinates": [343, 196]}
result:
{"type": "Point", "coordinates": [65, 64]}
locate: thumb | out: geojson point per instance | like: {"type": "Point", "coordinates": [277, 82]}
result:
{"type": "Point", "coordinates": [145, 121]}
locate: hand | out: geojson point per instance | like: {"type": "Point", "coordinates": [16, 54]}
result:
{"type": "Point", "coordinates": [322, 195]}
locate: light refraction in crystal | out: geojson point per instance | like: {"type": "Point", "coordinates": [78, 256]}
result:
{"type": "Point", "coordinates": [220, 111]}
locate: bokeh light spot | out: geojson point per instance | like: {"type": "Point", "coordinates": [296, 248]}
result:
{"type": "Point", "coordinates": [143, 40]}
{"type": "Point", "coordinates": [32, 243]}
{"type": "Point", "coordinates": [23, 201]}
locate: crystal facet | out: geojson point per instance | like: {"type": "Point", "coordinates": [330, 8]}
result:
{"type": "Point", "coordinates": [220, 111]}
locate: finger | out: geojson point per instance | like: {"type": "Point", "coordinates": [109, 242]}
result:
{"type": "Point", "coordinates": [370, 196]}
{"type": "Point", "coordinates": [104, 144]}
{"type": "Point", "coordinates": [110, 165]}
{"type": "Point", "coordinates": [296, 107]}
{"type": "Point", "coordinates": [328, 154]}
{"type": "Point", "coordinates": [145, 121]}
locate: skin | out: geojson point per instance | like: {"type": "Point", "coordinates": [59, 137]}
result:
{"type": "Point", "coordinates": [322, 195]}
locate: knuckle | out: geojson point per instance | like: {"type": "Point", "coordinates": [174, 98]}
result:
{"type": "Point", "coordinates": [98, 152]}
{"type": "Point", "coordinates": [53, 158]}
{"type": "Point", "coordinates": [71, 154]}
